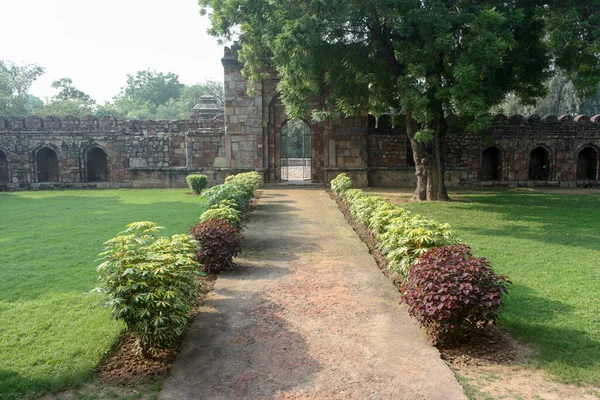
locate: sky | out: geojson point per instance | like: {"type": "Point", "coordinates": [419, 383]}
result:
{"type": "Point", "coordinates": [97, 43]}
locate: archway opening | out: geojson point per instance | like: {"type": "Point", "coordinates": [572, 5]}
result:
{"type": "Point", "coordinates": [96, 165]}
{"type": "Point", "coordinates": [3, 167]}
{"type": "Point", "coordinates": [491, 164]}
{"type": "Point", "coordinates": [587, 164]}
{"type": "Point", "coordinates": [47, 165]}
{"type": "Point", "coordinates": [539, 165]}
{"type": "Point", "coordinates": [295, 151]}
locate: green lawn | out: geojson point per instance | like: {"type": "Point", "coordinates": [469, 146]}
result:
{"type": "Point", "coordinates": [549, 245]}
{"type": "Point", "coordinates": [52, 334]}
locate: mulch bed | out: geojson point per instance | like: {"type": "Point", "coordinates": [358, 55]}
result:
{"type": "Point", "coordinates": [488, 346]}
{"type": "Point", "coordinates": [125, 367]}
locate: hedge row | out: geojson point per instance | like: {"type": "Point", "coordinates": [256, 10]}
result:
{"type": "Point", "coordinates": [149, 281]}
{"type": "Point", "coordinates": [446, 289]}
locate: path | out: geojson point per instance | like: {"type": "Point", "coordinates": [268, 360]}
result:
{"type": "Point", "coordinates": [307, 315]}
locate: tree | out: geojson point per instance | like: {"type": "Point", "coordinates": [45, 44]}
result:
{"type": "Point", "coordinates": [15, 81]}
{"type": "Point", "coordinates": [151, 88]}
{"type": "Point", "coordinates": [426, 58]}
{"type": "Point", "coordinates": [181, 107]}
{"type": "Point", "coordinates": [68, 101]}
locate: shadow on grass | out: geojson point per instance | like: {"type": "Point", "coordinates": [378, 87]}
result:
{"type": "Point", "coordinates": [563, 219]}
{"type": "Point", "coordinates": [50, 243]}
{"type": "Point", "coordinates": [14, 386]}
{"type": "Point", "coordinates": [537, 319]}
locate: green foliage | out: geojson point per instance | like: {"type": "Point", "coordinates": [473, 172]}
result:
{"type": "Point", "coordinates": [424, 135]}
{"type": "Point", "coordinates": [15, 81]}
{"type": "Point", "coordinates": [237, 189]}
{"type": "Point", "coordinates": [149, 283]}
{"type": "Point", "coordinates": [383, 216]}
{"type": "Point", "coordinates": [225, 211]}
{"type": "Point", "coordinates": [449, 292]}
{"type": "Point", "coordinates": [364, 206]}
{"type": "Point", "coordinates": [341, 183]}
{"type": "Point", "coordinates": [154, 88]}
{"type": "Point", "coordinates": [407, 238]}
{"type": "Point", "coordinates": [51, 332]}
{"type": "Point", "coordinates": [197, 182]}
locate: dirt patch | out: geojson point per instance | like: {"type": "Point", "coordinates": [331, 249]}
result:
{"type": "Point", "coordinates": [489, 362]}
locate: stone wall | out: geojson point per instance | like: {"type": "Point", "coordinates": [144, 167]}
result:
{"type": "Point", "coordinates": [514, 140]}
{"type": "Point", "coordinates": [137, 153]}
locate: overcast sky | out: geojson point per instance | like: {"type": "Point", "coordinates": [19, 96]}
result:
{"type": "Point", "coordinates": [97, 43]}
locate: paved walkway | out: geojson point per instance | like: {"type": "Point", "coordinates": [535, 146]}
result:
{"type": "Point", "coordinates": [307, 315]}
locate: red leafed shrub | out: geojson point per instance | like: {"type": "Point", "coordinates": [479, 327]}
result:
{"type": "Point", "coordinates": [219, 243]}
{"type": "Point", "coordinates": [449, 291]}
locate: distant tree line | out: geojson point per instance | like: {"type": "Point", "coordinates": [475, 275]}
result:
{"type": "Point", "coordinates": [561, 98]}
{"type": "Point", "coordinates": [146, 95]}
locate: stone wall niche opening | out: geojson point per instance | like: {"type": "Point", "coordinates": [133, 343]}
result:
{"type": "Point", "coordinates": [491, 164]}
{"type": "Point", "coordinates": [3, 167]}
{"type": "Point", "coordinates": [587, 164]}
{"type": "Point", "coordinates": [539, 165]}
{"type": "Point", "coordinates": [96, 165]}
{"type": "Point", "coordinates": [47, 165]}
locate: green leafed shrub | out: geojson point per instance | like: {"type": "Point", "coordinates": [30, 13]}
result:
{"type": "Point", "coordinates": [341, 183]}
{"type": "Point", "coordinates": [197, 182]}
{"type": "Point", "coordinates": [225, 211]}
{"type": "Point", "coordinates": [382, 217]}
{"type": "Point", "coordinates": [219, 242]}
{"type": "Point", "coordinates": [239, 189]}
{"type": "Point", "coordinates": [449, 291]}
{"type": "Point", "coordinates": [149, 283]}
{"type": "Point", "coordinates": [407, 238]}
{"type": "Point", "coordinates": [363, 207]}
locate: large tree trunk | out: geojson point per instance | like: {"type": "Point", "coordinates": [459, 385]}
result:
{"type": "Point", "coordinates": [429, 161]}
{"type": "Point", "coordinates": [421, 163]}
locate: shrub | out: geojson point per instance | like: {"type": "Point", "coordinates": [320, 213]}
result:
{"type": "Point", "coordinates": [197, 183]}
{"type": "Point", "coordinates": [341, 183]}
{"type": "Point", "coordinates": [219, 242]}
{"type": "Point", "coordinates": [449, 291]}
{"type": "Point", "coordinates": [149, 283]}
{"type": "Point", "coordinates": [383, 216]}
{"type": "Point", "coordinates": [363, 207]}
{"type": "Point", "coordinates": [239, 197]}
{"type": "Point", "coordinates": [407, 238]}
{"type": "Point", "coordinates": [224, 211]}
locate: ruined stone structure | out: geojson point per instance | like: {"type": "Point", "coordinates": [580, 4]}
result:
{"type": "Point", "coordinates": [103, 153]}
{"type": "Point", "coordinates": [375, 152]}
{"type": "Point", "coordinates": [72, 153]}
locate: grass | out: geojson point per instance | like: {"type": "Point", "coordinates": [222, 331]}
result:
{"type": "Point", "coordinates": [549, 246]}
{"type": "Point", "coordinates": [52, 333]}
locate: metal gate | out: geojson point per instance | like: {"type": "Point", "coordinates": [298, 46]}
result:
{"type": "Point", "coordinates": [295, 151]}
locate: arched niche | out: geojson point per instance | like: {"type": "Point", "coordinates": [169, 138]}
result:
{"type": "Point", "coordinates": [587, 164]}
{"type": "Point", "coordinates": [4, 176]}
{"type": "Point", "coordinates": [540, 168]}
{"type": "Point", "coordinates": [96, 165]}
{"type": "Point", "coordinates": [46, 165]}
{"type": "Point", "coordinates": [491, 164]}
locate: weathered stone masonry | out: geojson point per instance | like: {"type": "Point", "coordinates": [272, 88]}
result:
{"type": "Point", "coordinates": [73, 153]}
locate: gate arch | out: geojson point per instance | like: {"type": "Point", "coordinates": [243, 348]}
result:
{"type": "Point", "coordinates": [295, 150]}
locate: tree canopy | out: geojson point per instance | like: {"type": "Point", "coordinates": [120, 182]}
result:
{"type": "Point", "coordinates": [425, 58]}
{"type": "Point", "coordinates": [15, 81]}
